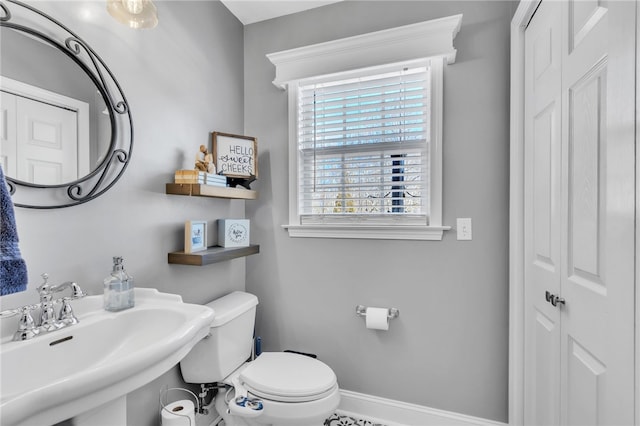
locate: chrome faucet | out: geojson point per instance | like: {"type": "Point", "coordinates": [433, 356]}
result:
{"type": "Point", "coordinates": [28, 328]}
{"type": "Point", "coordinates": [48, 320]}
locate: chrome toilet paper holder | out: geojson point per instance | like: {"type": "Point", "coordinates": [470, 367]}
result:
{"type": "Point", "coordinates": [361, 311]}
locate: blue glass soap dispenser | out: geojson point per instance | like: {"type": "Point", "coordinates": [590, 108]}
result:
{"type": "Point", "coordinates": [118, 288]}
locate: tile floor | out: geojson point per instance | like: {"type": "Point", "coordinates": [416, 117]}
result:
{"type": "Point", "coordinates": [338, 420]}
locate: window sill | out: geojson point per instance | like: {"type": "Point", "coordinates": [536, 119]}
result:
{"type": "Point", "coordinates": [379, 232]}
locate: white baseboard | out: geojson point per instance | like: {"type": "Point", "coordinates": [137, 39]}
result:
{"type": "Point", "coordinates": [398, 413]}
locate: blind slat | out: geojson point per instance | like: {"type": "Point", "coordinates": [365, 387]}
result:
{"type": "Point", "coordinates": [365, 96]}
{"type": "Point", "coordinates": [407, 176]}
{"type": "Point", "coordinates": [389, 113]}
{"type": "Point", "coordinates": [410, 147]}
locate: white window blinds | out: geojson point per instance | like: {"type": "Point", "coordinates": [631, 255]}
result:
{"type": "Point", "coordinates": [363, 147]}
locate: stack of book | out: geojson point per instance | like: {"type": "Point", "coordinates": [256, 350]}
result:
{"type": "Point", "coordinates": [197, 176]}
{"type": "Point", "coordinates": [216, 180]}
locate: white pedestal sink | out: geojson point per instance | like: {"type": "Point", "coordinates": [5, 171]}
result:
{"type": "Point", "coordinates": [75, 370]}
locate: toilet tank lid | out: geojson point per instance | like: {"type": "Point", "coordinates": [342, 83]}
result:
{"type": "Point", "coordinates": [231, 306]}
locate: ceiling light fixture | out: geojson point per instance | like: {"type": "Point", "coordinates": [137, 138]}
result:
{"type": "Point", "coordinates": [136, 14]}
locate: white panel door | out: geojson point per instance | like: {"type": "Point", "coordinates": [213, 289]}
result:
{"type": "Point", "coordinates": [543, 133]}
{"type": "Point", "coordinates": [47, 143]}
{"type": "Point", "coordinates": [579, 115]}
{"type": "Point", "coordinates": [598, 245]}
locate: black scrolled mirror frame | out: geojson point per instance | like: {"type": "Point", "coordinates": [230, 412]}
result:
{"type": "Point", "coordinates": [107, 173]}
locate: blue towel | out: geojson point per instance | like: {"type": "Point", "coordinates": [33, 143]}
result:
{"type": "Point", "coordinates": [13, 269]}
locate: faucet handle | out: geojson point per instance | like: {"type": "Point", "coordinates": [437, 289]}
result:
{"type": "Point", "coordinates": [66, 313]}
{"type": "Point", "coordinates": [9, 313]}
{"type": "Point", "coordinates": [26, 325]}
{"type": "Point", "coordinates": [44, 287]}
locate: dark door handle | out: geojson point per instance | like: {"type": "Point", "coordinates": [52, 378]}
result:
{"type": "Point", "coordinates": [553, 299]}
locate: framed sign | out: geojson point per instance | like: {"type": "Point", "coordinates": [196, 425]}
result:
{"type": "Point", "coordinates": [195, 236]}
{"type": "Point", "coordinates": [235, 155]}
{"type": "Point", "coordinates": [233, 232]}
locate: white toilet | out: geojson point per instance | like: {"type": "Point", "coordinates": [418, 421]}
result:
{"type": "Point", "coordinates": [277, 388]}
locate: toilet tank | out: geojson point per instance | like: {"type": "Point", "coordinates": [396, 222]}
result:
{"type": "Point", "coordinates": [229, 343]}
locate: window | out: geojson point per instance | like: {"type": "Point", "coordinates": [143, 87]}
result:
{"type": "Point", "coordinates": [363, 147]}
{"type": "Point", "coordinates": [365, 144]}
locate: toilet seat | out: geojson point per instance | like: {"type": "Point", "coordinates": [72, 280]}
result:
{"type": "Point", "coordinates": [288, 377]}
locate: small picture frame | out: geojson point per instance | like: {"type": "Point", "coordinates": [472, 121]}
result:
{"type": "Point", "coordinates": [233, 232]}
{"type": "Point", "coordinates": [195, 236]}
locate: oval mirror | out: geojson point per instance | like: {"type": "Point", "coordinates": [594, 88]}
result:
{"type": "Point", "coordinates": [67, 128]}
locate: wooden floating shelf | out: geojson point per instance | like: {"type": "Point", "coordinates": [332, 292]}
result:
{"type": "Point", "coordinates": [199, 190]}
{"type": "Point", "coordinates": [212, 255]}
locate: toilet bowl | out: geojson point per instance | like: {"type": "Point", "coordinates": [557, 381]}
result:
{"type": "Point", "coordinates": [277, 388]}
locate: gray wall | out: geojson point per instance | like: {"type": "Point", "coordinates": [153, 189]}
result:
{"type": "Point", "coordinates": [183, 79]}
{"type": "Point", "coordinates": [448, 349]}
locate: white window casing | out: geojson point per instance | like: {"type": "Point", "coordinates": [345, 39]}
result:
{"type": "Point", "coordinates": [421, 49]}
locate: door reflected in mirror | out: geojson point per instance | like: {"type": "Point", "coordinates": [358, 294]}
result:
{"type": "Point", "coordinates": [56, 127]}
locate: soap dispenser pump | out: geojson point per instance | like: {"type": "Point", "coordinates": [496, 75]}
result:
{"type": "Point", "coordinates": [118, 288]}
